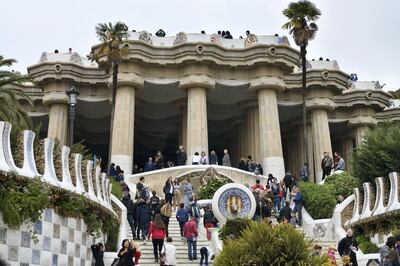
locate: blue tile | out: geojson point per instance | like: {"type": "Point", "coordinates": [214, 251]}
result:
{"type": "Point", "coordinates": [3, 235]}
{"type": "Point", "coordinates": [37, 227]}
{"type": "Point", "coordinates": [25, 239]}
{"type": "Point", "coordinates": [54, 261]}
{"type": "Point", "coordinates": [12, 253]}
{"type": "Point", "coordinates": [77, 250]}
{"type": "Point", "coordinates": [46, 243]}
{"type": "Point", "coordinates": [35, 256]}
{"type": "Point", "coordinates": [48, 215]}
{"type": "Point", "coordinates": [56, 231]}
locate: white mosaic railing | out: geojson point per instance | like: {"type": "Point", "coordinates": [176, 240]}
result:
{"type": "Point", "coordinates": [366, 213]}
{"type": "Point", "coordinates": [29, 169]}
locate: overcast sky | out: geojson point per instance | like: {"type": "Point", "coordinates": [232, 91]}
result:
{"type": "Point", "coordinates": [362, 35]}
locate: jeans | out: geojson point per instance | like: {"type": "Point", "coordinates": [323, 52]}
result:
{"type": "Point", "coordinates": [168, 198]}
{"type": "Point", "coordinates": [132, 224]}
{"type": "Point", "coordinates": [181, 225]}
{"type": "Point", "coordinates": [144, 229]}
{"type": "Point", "coordinates": [157, 244]}
{"type": "Point", "coordinates": [204, 256]}
{"type": "Point", "coordinates": [277, 201]}
{"type": "Point", "coordinates": [192, 249]}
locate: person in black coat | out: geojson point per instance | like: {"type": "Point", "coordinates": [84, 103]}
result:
{"type": "Point", "coordinates": [168, 190]}
{"type": "Point", "coordinates": [98, 254]}
{"type": "Point", "coordinates": [181, 156]}
{"type": "Point", "coordinates": [126, 254]}
{"type": "Point", "coordinates": [131, 211]}
{"type": "Point", "coordinates": [285, 212]}
{"type": "Point", "coordinates": [348, 247]}
{"type": "Point", "coordinates": [143, 217]}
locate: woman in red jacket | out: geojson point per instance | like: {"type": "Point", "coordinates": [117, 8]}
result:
{"type": "Point", "coordinates": [157, 231]}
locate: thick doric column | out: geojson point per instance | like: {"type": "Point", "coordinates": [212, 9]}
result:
{"type": "Point", "coordinates": [58, 122]}
{"type": "Point", "coordinates": [360, 133]}
{"type": "Point", "coordinates": [348, 154]}
{"type": "Point", "coordinates": [242, 140]}
{"type": "Point", "coordinates": [271, 153]}
{"type": "Point", "coordinates": [57, 99]}
{"type": "Point", "coordinates": [253, 130]}
{"type": "Point", "coordinates": [321, 138]}
{"type": "Point", "coordinates": [123, 128]}
{"type": "Point", "coordinates": [362, 120]}
{"type": "Point", "coordinates": [197, 129]}
{"type": "Point", "coordinates": [311, 160]}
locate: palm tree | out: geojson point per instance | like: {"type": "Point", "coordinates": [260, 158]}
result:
{"type": "Point", "coordinates": [301, 26]}
{"type": "Point", "coordinates": [111, 36]}
{"type": "Point", "coordinates": [395, 94]}
{"type": "Point", "coordinates": [10, 94]}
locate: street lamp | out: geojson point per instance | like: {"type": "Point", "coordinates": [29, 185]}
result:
{"type": "Point", "coordinates": [72, 93]}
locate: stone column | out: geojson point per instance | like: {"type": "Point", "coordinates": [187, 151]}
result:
{"type": "Point", "coordinates": [311, 161]}
{"type": "Point", "coordinates": [348, 154]}
{"type": "Point", "coordinates": [242, 140]}
{"type": "Point", "coordinates": [197, 129]}
{"type": "Point", "coordinates": [321, 138]}
{"type": "Point", "coordinates": [56, 98]}
{"type": "Point", "coordinates": [123, 128]}
{"type": "Point", "coordinates": [184, 127]}
{"type": "Point", "coordinates": [360, 133]}
{"type": "Point", "coordinates": [270, 132]}
{"type": "Point", "coordinates": [58, 123]}
{"type": "Point", "coordinates": [253, 130]}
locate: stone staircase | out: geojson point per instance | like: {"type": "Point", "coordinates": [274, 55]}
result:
{"type": "Point", "coordinates": [147, 257]}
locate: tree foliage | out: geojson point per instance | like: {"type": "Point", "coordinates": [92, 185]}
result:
{"type": "Point", "coordinates": [208, 190]}
{"type": "Point", "coordinates": [11, 94]}
{"type": "Point", "coordinates": [262, 244]}
{"type": "Point", "coordinates": [379, 154]}
{"type": "Point", "coordinates": [342, 184]}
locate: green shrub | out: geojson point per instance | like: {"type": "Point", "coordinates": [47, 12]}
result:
{"type": "Point", "coordinates": [318, 200]}
{"type": "Point", "coordinates": [233, 228]}
{"type": "Point", "coordinates": [262, 244]}
{"type": "Point", "coordinates": [379, 154]}
{"type": "Point", "coordinates": [207, 191]}
{"type": "Point", "coordinates": [116, 189]}
{"type": "Point", "coordinates": [342, 184]}
{"type": "Point", "coordinates": [366, 245]}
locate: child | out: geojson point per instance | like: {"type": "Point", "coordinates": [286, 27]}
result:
{"type": "Point", "coordinates": [331, 255]}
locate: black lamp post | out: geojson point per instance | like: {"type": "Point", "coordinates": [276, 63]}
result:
{"type": "Point", "coordinates": [72, 93]}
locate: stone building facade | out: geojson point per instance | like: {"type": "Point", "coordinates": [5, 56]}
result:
{"type": "Point", "coordinates": [209, 93]}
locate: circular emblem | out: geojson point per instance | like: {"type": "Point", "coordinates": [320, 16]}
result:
{"type": "Point", "coordinates": [233, 201]}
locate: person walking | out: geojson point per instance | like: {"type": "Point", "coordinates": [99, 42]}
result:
{"type": "Point", "coordinates": [168, 190]}
{"type": "Point", "coordinates": [166, 213]}
{"type": "Point", "coordinates": [157, 232]}
{"type": "Point", "coordinates": [98, 254]}
{"type": "Point", "coordinates": [226, 161]}
{"type": "Point", "coordinates": [143, 217]}
{"type": "Point", "coordinates": [348, 247]}
{"type": "Point", "coordinates": [154, 202]}
{"type": "Point", "coordinates": [194, 209]}
{"type": "Point", "coordinates": [213, 159]}
{"type": "Point", "coordinates": [188, 191]}
{"type": "Point", "coordinates": [181, 156]}
{"type": "Point", "coordinates": [208, 221]}
{"type": "Point", "coordinates": [126, 254]}
{"type": "Point", "coordinates": [131, 211]}
{"type": "Point", "coordinates": [326, 165]}
{"type": "Point", "coordinates": [170, 253]}
{"type": "Point", "coordinates": [176, 199]}
{"type": "Point", "coordinates": [182, 216]}
{"type": "Point", "coordinates": [190, 234]}
{"type": "Point", "coordinates": [276, 198]}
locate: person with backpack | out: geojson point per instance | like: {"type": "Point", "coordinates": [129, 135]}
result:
{"type": "Point", "coordinates": [194, 209]}
{"type": "Point", "coordinates": [182, 216]}
{"type": "Point", "coordinates": [276, 198]}
{"type": "Point", "coordinates": [288, 181]}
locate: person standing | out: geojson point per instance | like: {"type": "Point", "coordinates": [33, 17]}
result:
{"type": "Point", "coordinates": [326, 165]}
{"type": "Point", "coordinates": [348, 247]}
{"type": "Point", "coordinates": [276, 194]}
{"type": "Point", "coordinates": [176, 200]}
{"type": "Point", "coordinates": [126, 254]}
{"type": "Point", "coordinates": [182, 216]}
{"type": "Point", "coordinates": [159, 160]}
{"type": "Point", "coordinates": [298, 200]}
{"type": "Point", "coordinates": [143, 217]}
{"type": "Point", "coordinates": [131, 211]}
{"type": "Point", "coordinates": [98, 254]}
{"type": "Point", "coordinates": [194, 209]}
{"type": "Point", "coordinates": [181, 156]}
{"type": "Point", "coordinates": [288, 181]}
{"type": "Point", "coordinates": [208, 221]}
{"type": "Point", "coordinates": [139, 187]}
{"type": "Point", "coordinates": [154, 202]}
{"type": "Point", "coordinates": [196, 159]}
{"type": "Point", "coordinates": [188, 191]}
{"type": "Point", "coordinates": [213, 159]}
{"type": "Point", "coordinates": [157, 232]}
{"type": "Point", "coordinates": [149, 166]}
{"type": "Point", "coordinates": [203, 158]}
{"type": "Point", "coordinates": [389, 256]}
{"type": "Point", "coordinates": [168, 190]}
{"type": "Point", "coordinates": [170, 253]}
{"type": "Point", "coordinates": [226, 161]}
{"type": "Point", "coordinates": [304, 172]}
{"type": "Point", "coordinates": [190, 233]}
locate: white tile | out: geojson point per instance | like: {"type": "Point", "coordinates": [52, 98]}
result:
{"type": "Point", "coordinates": [78, 237]}
{"type": "Point", "coordinates": [64, 233]}
{"type": "Point", "coordinates": [13, 237]}
{"type": "Point", "coordinates": [62, 260]}
{"type": "Point", "coordinates": [46, 258]}
{"type": "Point", "coordinates": [47, 229]}
{"type": "Point", "coordinates": [25, 255]}
{"type": "Point", "coordinates": [72, 223]}
{"type": "Point", "coordinates": [55, 246]}
{"type": "Point", "coordinates": [71, 249]}
{"type": "Point", "coordinates": [3, 251]}
{"type": "Point", "coordinates": [38, 244]}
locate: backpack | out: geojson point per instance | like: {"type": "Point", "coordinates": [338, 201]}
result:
{"type": "Point", "coordinates": [194, 210]}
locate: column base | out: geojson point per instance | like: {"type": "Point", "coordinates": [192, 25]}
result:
{"type": "Point", "coordinates": [275, 166]}
{"type": "Point", "coordinates": [124, 161]}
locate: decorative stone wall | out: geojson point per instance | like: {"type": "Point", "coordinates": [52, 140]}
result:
{"type": "Point", "coordinates": [59, 241]}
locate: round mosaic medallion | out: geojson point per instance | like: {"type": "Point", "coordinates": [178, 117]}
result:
{"type": "Point", "coordinates": [233, 201]}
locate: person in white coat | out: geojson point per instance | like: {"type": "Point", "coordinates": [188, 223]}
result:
{"type": "Point", "coordinates": [170, 252]}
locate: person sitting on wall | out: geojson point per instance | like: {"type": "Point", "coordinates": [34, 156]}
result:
{"type": "Point", "coordinates": [348, 247]}
{"type": "Point", "coordinates": [111, 171]}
